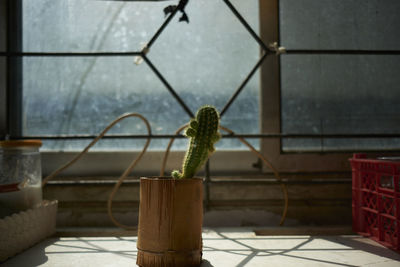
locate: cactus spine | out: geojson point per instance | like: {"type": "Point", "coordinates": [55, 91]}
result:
{"type": "Point", "coordinates": [203, 134]}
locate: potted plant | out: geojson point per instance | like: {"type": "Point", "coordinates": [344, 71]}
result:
{"type": "Point", "coordinates": [171, 208]}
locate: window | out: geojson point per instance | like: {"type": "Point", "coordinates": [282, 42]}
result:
{"type": "Point", "coordinates": [88, 91]}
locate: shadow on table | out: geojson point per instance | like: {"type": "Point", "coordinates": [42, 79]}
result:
{"type": "Point", "coordinates": [299, 248]}
{"type": "Point", "coordinates": [366, 245]}
{"type": "Point", "coordinates": [206, 263]}
{"type": "Point", "coordinates": [31, 257]}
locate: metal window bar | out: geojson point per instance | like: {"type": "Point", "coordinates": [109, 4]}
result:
{"type": "Point", "coordinates": [341, 52]}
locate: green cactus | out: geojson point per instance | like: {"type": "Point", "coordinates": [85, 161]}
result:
{"type": "Point", "coordinates": [203, 134]}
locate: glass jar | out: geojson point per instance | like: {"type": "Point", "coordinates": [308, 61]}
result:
{"type": "Point", "coordinates": [20, 176]}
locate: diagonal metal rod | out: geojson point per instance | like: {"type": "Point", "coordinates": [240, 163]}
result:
{"type": "Point", "coordinates": [247, 26]}
{"type": "Point", "coordinates": [240, 88]}
{"type": "Point", "coordinates": [168, 86]}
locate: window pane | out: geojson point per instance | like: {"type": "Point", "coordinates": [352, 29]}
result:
{"type": "Point", "coordinates": [334, 94]}
{"type": "Point", "coordinates": [205, 61]}
{"type": "Point", "coordinates": [76, 26]}
{"type": "Point", "coordinates": [340, 94]}
{"type": "Point", "coordinates": [340, 24]}
{"type": "Point", "coordinates": [83, 95]}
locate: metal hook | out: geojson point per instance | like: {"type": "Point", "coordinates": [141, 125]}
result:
{"type": "Point", "coordinates": [144, 50]}
{"type": "Point", "coordinates": [274, 47]}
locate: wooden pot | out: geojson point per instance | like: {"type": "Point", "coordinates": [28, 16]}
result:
{"type": "Point", "coordinates": [170, 221]}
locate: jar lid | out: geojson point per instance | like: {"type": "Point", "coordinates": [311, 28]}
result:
{"type": "Point", "coordinates": [20, 143]}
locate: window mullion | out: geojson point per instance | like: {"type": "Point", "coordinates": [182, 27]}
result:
{"type": "Point", "coordinates": [3, 60]}
{"type": "Point", "coordinates": [14, 67]}
{"type": "Point", "coordinates": [270, 79]}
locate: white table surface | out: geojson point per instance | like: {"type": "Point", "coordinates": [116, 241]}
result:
{"type": "Point", "coordinates": [222, 248]}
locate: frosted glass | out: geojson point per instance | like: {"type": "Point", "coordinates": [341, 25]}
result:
{"type": "Point", "coordinates": [76, 25]}
{"type": "Point", "coordinates": [333, 94]}
{"type": "Point", "coordinates": [340, 94]}
{"type": "Point", "coordinates": [340, 24]}
{"type": "Point", "coordinates": [205, 61]}
{"type": "Point", "coordinates": [221, 54]}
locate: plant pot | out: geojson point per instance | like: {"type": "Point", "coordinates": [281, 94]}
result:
{"type": "Point", "coordinates": [170, 221]}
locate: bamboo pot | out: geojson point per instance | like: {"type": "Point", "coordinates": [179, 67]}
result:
{"type": "Point", "coordinates": [170, 221]}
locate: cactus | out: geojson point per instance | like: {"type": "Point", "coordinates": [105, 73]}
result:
{"type": "Point", "coordinates": [203, 134]}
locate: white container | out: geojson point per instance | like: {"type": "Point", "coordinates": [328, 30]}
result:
{"type": "Point", "coordinates": [26, 228]}
{"type": "Point", "coordinates": [20, 176]}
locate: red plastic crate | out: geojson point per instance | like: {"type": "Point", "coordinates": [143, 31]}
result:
{"type": "Point", "coordinates": [376, 199]}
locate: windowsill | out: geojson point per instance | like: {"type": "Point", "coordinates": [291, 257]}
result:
{"type": "Point", "coordinates": [221, 247]}
{"type": "Point", "coordinates": [319, 199]}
